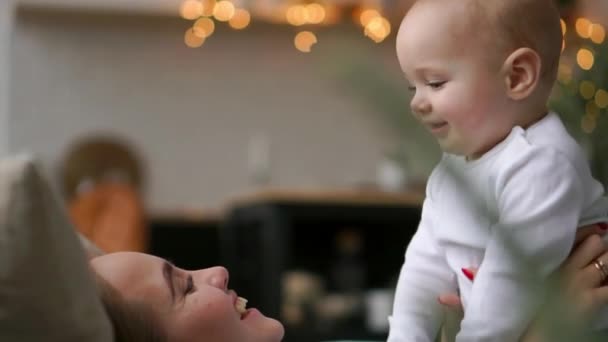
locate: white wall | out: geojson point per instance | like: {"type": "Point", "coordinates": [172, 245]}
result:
{"type": "Point", "coordinates": [7, 12]}
{"type": "Point", "coordinates": [190, 112]}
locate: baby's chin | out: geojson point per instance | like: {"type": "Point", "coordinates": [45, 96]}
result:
{"type": "Point", "coordinates": [450, 149]}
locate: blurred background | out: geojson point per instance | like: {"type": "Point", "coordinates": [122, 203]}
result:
{"type": "Point", "coordinates": [270, 136]}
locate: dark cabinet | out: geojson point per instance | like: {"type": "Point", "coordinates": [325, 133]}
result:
{"type": "Point", "coordinates": [340, 246]}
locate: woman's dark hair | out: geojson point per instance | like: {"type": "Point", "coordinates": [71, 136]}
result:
{"type": "Point", "coordinates": [131, 321]}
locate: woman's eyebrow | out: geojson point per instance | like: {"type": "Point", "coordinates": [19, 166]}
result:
{"type": "Point", "coordinates": [168, 275]}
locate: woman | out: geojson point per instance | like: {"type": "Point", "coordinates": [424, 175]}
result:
{"type": "Point", "coordinates": [166, 303]}
{"type": "Point", "coordinates": [187, 306]}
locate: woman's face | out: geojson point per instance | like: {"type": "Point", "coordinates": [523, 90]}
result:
{"type": "Point", "coordinates": [193, 305]}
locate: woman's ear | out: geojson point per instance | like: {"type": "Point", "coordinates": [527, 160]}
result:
{"type": "Point", "coordinates": [522, 73]}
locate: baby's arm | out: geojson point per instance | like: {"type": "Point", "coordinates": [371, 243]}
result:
{"type": "Point", "coordinates": [540, 200]}
{"type": "Point", "coordinates": [417, 315]}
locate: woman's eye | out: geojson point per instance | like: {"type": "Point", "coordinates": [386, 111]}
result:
{"type": "Point", "coordinates": [436, 85]}
{"type": "Point", "coordinates": [189, 286]}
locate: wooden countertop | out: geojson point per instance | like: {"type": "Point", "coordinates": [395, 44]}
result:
{"type": "Point", "coordinates": [330, 196]}
{"type": "Point", "coordinates": [323, 196]}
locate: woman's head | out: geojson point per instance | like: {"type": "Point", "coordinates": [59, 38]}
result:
{"type": "Point", "coordinates": [131, 320]}
{"type": "Point", "coordinates": [192, 306]}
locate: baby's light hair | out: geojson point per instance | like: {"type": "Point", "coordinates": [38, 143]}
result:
{"type": "Point", "coordinates": [513, 24]}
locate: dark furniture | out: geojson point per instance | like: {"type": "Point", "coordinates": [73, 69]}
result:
{"type": "Point", "coordinates": [269, 233]}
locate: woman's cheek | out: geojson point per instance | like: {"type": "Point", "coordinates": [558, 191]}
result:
{"type": "Point", "coordinates": [206, 318]}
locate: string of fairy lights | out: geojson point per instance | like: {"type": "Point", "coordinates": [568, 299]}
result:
{"type": "Point", "coordinates": [593, 36]}
{"type": "Point", "coordinates": [206, 13]}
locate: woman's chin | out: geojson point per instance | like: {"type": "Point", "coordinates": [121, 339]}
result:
{"type": "Point", "coordinates": [270, 327]}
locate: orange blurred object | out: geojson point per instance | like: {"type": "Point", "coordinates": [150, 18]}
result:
{"type": "Point", "coordinates": [111, 215]}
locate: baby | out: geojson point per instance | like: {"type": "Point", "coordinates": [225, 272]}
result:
{"type": "Point", "coordinates": [511, 184]}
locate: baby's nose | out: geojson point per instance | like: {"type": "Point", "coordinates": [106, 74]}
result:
{"type": "Point", "coordinates": [420, 106]}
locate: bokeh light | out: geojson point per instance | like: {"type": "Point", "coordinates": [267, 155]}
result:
{"type": "Point", "coordinates": [587, 90]}
{"type": "Point", "coordinates": [305, 40]}
{"type": "Point", "coordinates": [315, 13]}
{"type": "Point", "coordinates": [192, 40]}
{"type": "Point", "coordinates": [601, 98]}
{"type": "Point", "coordinates": [583, 27]}
{"type": "Point", "coordinates": [592, 110]}
{"type": "Point", "coordinates": [598, 34]}
{"type": "Point", "coordinates": [240, 20]}
{"type": "Point", "coordinates": [378, 29]}
{"type": "Point", "coordinates": [191, 9]}
{"type": "Point", "coordinates": [224, 10]}
{"type": "Point", "coordinates": [296, 15]}
{"type": "Point", "coordinates": [588, 124]}
{"type": "Point", "coordinates": [367, 16]}
{"type": "Point", "coordinates": [203, 27]}
{"type": "Point", "coordinates": [564, 73]}
{"type": "Point", "coordinates": [208, 7]}
{"type": "Point", "coordinates": [585, 59]}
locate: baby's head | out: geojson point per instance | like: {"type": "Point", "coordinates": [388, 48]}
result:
{"type": "Point", "coordinates": [479, 67]}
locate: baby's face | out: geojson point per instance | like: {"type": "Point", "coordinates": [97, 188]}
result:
{"type": "Point", "coordinates": [457, 85]}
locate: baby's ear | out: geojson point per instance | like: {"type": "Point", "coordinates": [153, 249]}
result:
{"type": "Point", "coordinates": [521, 72]}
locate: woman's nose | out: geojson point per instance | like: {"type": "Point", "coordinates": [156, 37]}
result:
{"type": "Point", "coordinates": [218, 277]}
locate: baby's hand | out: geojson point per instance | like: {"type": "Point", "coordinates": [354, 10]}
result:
{"type": "Point", "coordinates": [451, 300]}
{"type": "Point", "coordinates": [453, 310]}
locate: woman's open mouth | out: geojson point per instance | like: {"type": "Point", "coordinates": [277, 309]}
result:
{"type": "Point", "coordinates": [248, 313]}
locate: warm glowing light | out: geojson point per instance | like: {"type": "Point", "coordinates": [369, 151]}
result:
{"type": "Point", "coordinates": [315, 13]}
{"type": "Point", "coordinates": [588, 124]}
{"type": "Point", "coordinates": [367, 16]}
{"type": "Point", "coordinates": [378, 29]}
{"type": "Point", "coordinates": [601, 99]}
{"type": "Point", "coordinates": [240, 20]}
{"type": "Point", "coordinates": [598, 34]}
{"type": "Point", "coordinates": [297, 15]}
{"type": "Point", "coordinates": [592, 110]}
{"type": "Point", "coordinates": [564, 73]}
{"type": "Point", "coordinates": [564, 28]}
{"type": "Point", "coordinates": [208, 7]}
{"type": "Point", "coordinates": [224, 10]}
{"type": "Point", "coordinates": [203, 27]}
{"type": "Point", "coordinates": [583, 27]}
{"type": "Point", "coordinates": [332, 14]}
{"type": "Point", "coordinates": [305, 40]}
{"type": "Point", "coordinates": [191, 9]}
{"type": "Point", "coordinates": [192, 40]}
{"type": "Point", "coordinates": [563, 45]}
{"type": "Point", "coordinates": [587, 90]}
{"type": "Point", "coordinates": [585, 59]}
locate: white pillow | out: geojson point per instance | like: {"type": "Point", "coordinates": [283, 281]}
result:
{"type": "Point", "coordinates": [47, 292]}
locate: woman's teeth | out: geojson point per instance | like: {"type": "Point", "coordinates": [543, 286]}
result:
{"type": "Point", "coordinates": [241, 305]}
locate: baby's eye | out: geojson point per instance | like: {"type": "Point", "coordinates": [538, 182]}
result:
{"type": "Point", "coordinates": [436, 84]}
{"type": "Point", "coordinates": [412, 89]}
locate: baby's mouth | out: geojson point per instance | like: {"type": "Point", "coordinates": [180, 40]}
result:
{"type": "Point", "coordinates": [438, 125]}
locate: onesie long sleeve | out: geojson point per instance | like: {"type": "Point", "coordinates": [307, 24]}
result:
{"type": "Point", "coordinates": [513, 213]}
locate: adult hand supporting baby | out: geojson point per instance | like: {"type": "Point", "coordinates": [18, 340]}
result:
{"type": "Point", "coordinates": [581, 279]}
